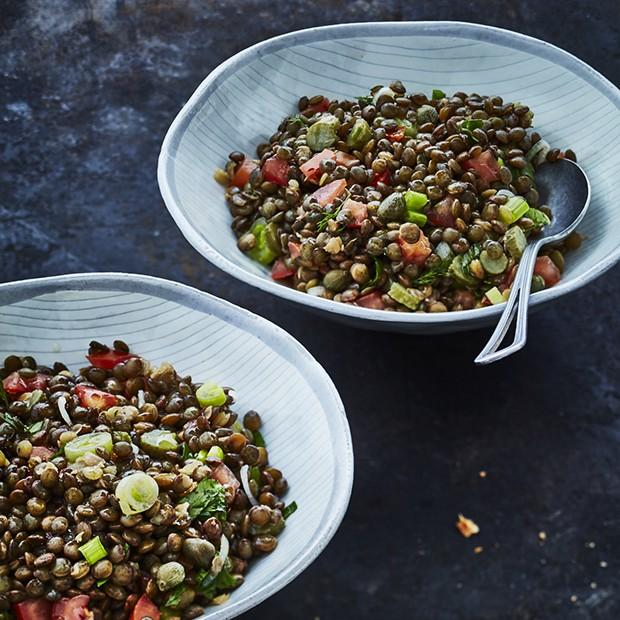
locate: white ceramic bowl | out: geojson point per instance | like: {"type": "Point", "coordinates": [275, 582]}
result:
{"type": "Point", "coordinates": [242, 102]}
{"type": "Point", "coordinates": [304, 421]}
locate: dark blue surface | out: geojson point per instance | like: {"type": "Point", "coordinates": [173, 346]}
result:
{"type": "Point", "coordinates": [88, 90]}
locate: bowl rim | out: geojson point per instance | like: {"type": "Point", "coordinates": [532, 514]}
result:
{"type": "Point", "coordinates": [474, 31]}
{"type": "Point", "coordinates": [275, 338]}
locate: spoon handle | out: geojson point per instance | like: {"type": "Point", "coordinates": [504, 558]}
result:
{"type": "Point", "coordinates": [517, 303]}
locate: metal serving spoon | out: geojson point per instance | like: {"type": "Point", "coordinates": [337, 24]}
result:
{"type": "Point", "coordinates": [564, 186]}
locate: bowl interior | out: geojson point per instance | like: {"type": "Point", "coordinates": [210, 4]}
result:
{"type": "Point", "coordinates": [242, 103]}
{"type": "Point", "coordinates": [304, 424]}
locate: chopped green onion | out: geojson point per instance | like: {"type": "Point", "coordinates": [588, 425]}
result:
{"type": "Point", "coordinates": [527, 171]}
{"type": "Point", "coordinates": [493, 266]}
{"type": "Point", "coordinates": [472, 123]}
{"type": "Point", "coordinates": [215, 452]}
{"type": "Point", "coordinates": [323, 133]}
{"type": "Point", "coordinates": [515, 208]}
{"type": "Point", "coordinates": [186, 453]}
{"type": "Point", "coordinates": [289, 510]}
{"type": "Point", "coordinates": [360, 134]}
{"type": "Point", "coordinates": [136, 493]}
{"type": "Point", "coordinates": [400, 294]}
{"type": "Point", "coordinates": [210, 394]}
{"type": "Point", "coordinates": [102, 582]}
{"type": "Point", "coordinates": [500, 162]}
{"type": "Point", "coordinates": [495, 296]}
{"type": "Point", "coordinates": [202, 455]}
{"type": "Point", "coordinates": [89, 443]}
{"type": "Point", "coordinates": [93, 550]}
{"type": "Point", "coordinates": [255, 474]}
{"type": "Point", "coordinates": [158, 440]}
{"type": "Point", "coordinates": [438, 94]}
{"type": "Point", "coordinates": [538, 283]}
{"type": "Point", "coordinates": [378, 273]}
{"type": "Point", "coordinates": [259, 441]}
{"type": "Point", "coordinates": [262, 252]}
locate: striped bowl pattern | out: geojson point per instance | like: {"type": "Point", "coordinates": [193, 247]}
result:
{"type": "Point", "coordinates": [304, 420]}
{"type": "Point", "coordinates": [241, 103]}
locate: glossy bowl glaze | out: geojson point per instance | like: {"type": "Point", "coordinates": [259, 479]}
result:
{"type": "Point", "coordinates": [304, 422]}
{"type": "Point", "coordinates": [242, 102]}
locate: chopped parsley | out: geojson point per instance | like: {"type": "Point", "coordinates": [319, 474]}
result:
{"type": "Point", "coordinates": [259, 441]}
{"type": "Point", "coordinates": [289, 510]}
{"type": "Point", "coordinates": [208, 499]}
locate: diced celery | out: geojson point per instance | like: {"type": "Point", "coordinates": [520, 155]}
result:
{"type": "Point", "coordinates": [515, 241]}
{"type": "Point", "coordinates": [360, 134]}
{"type": "Point", "coordinates": [400, 294]}
{"type": "Point", "coordinates": [515, 208]}
{"type": "Point", "coordinates": [262, 251]}
{"type": "Point", "coordinates": [414, 203]}
{"type": "Point", "coordinates": [215, 452]}
{"type": "Point", "coordinates": [88, 443]}
{"type": "Point", "coordinates": [93, 550]}
{"type": "Point", "coordinates": [158, 440]}
{"type": "Point", "coordinates": [416, 218]}
{"type": "Point", "coordinates": [495, 296]}
{"type": "Point", "coordinates": [323, 133]}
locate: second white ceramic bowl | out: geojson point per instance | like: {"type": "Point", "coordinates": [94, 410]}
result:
{"type": "Point", "coordinates": [241, 103]}
{"type": "Point", "coordinates": [304, 423]}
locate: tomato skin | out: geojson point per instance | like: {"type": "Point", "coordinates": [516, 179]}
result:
{"type": "Point", "coordinates": [42, 452]}
{"type": "Point", "coordinates": [441, 214]}
{"type": "Point", "coordinates": [358, 210]}
{"type": "Point", "coordinates": [109, 359]}
{"type": "Point", "coordinates": [344, 159]}
{"type": "Point", "coordinates": [328, 193]}
{"type": "Point", "coordinates": [281, 271]}
{"type": "Point", "coordinates": [312, 168]}
{"type": "Point", "coordinates": [485, 165]}
{"type": "Point", "coordinates": [14, 384]}
{"type": "Point", "coordinates": [74, 608]}
{"type": "Point", "coordinates": [396, 136]}
{"type": "Point", "coordinates": [547, 270]}
{"type": "Point", "coordinates": [243, 172]}
{"type": "Point", "coordinates": [34, 609]}
{"type": "Point", "coordinates": [93, 398]}
{"type": "Point", "coordinates": [371, 300]}
{"type": "Point", "coordinates": [294, 249]}
{"type": "Point", "coordinates": [417, 252]}
{"type": "Point", "coordinates": [322, 106]}
{"type": "Point", "coordinates": [381, 177]}
{"type": "Point", "coordinates": [224, 476]}
{"type": "Point", "coordinates": [145, 608]}
{"type": "Point", "coordinates": [276, 171]}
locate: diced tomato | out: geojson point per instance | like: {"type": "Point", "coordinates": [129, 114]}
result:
{"type": "Point", "coordinates": [243, 172]}
{"type": "Point", "coordinates": [322, 106]}
{"type": "Point", "coordinates": [312, 168]}
{"type": "Point", "coordinates": [224, 476]}
{"type": "Point", "coordinates": [397, 135]}
{"type": "Point", "coordinates": [358, 211]}
{"type": "Point", "coordinates": [328, 193]}
{"type": "Point", "coordinates": [275, 170]}
{"type": "Point", "coordinates": [15, 384]}
{"type": "Point", "coordinates": [372, 300]}
{"type": "Point", "coordinates": [34, 609]}
{"type": "Point", "coordinates": [344, 159]}
{"type": "Point", "coordinates": [93, 398]}
{"type": "Point", "coordinates": [74, 608]}
{"type": "Point", "coordinates": [547, 270]}
{"type": "Point", "coordinates": [441, 214]}
{"type": "Point", "coordinates": [42, 452]}
{"type": "Point", "coordinates": [381, 177]}
{"type": "Point", "coordinates": [484, 165]}
{"type": "Point", "coordinates": [109, 359]}
{"type": "Point", "coordinates": [281, 271]}
{"type": "Point", "coordinates": [293, 249]}
{"type": "Point", "coordinates": [417, 252]}
{"type": "Point", "coordinates": [145, 608]}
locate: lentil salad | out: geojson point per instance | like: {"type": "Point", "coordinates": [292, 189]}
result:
{"type": "Point", "coordinates": [397, 202]}
{"type": "Point", "coordinates": [127, 491]}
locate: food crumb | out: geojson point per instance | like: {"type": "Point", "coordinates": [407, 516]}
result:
{"type": "Point", "coordinates": [590, 545]}
{"type": "Point", "coordinates": [603, 564]}
{"type": "Point", "coordinates": [466, 526]}
{"type": "Point", "coordinates": [573, 599]}
{"type": "Point", "coordinates": [542, 536]}
{"type": "Point", "coordinates": [478, 549]}
{"type": "Point", "coordinates": [482, 473]}
{"type": "Point", "coordinates": [593, 585]}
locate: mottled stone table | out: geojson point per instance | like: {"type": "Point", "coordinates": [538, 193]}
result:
{"type": "Point", "coordinates": [88, 89]}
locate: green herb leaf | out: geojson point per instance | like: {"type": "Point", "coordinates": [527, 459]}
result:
{"type": "Point", "coordinates": [434, 273]}
{"type": "Point", "coordinates": [322, 225]}
{"type": "Point", "coordinates": [378, 273]}
{"type": "Point", "coordinates": [185, 452]}
{"type": "Point", "coordinates": [175, 595]}
{"type": "Point", "coordinates": [102, 582]}
{"type": "Point", "coordinates": [364, 101]}
{"type": "Point", "coordinates": [11, 424]}
{"type": "Point", "coordinates": [259, 440]}
{"type": "Point", "coordinates": [289, 510]}
{"type": "Point", "coordinates": [540, 218]}
{"type": "Point", "coordinates": [208, 499]}
{"type": "Point", "coordinates": [472, 123]}
{"type": "Point", "coordinates": [438, 94]}
{"type": "Point", "coordinates": [255, 474]}
{"type": "Point", "coordinates": [299, 118]}
{"type": "Point", "coordinates": [470, 255]}
{"type": "Point", "coordinates": [36, 427]}
{"type": "Point", "coordinates": [470, 135]}
{"type": "Point", "coordinates": [210, 585]}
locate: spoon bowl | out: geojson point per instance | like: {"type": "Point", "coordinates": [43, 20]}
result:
{"type": "Point", "coordinates": [565, 188]}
